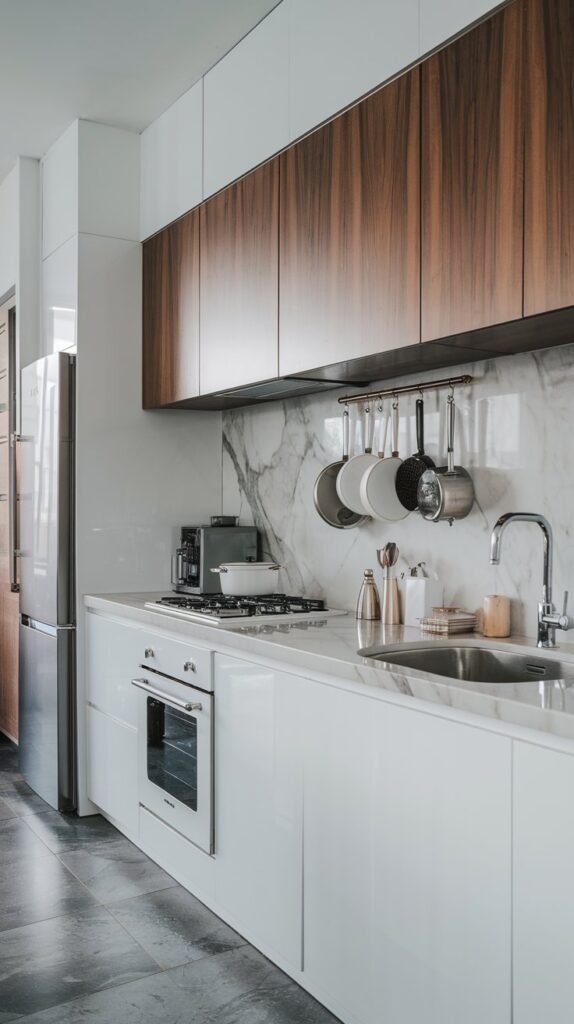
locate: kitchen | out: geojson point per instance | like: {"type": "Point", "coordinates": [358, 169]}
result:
{"type": "Point", "coordinates": [340, 217]}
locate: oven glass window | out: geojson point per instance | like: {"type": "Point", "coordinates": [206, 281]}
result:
{"type": "Point", "coordinates": [172, 751]}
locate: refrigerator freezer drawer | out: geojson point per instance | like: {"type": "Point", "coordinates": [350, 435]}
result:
{"type": "Point", "coordinates": [47, 712]}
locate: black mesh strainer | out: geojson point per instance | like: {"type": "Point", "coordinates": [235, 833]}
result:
{"type": "Point", "coordinates": [411, 470]}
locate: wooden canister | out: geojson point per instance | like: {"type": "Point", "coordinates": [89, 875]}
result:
{"type": "Point", "coordinates": [496, 615]}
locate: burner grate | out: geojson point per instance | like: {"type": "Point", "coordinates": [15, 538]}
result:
{"type": "Point", "coordinates": [228, 607]}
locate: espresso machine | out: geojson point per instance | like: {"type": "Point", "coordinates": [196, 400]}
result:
{"type": "Point", "coordinates": [204, 548]}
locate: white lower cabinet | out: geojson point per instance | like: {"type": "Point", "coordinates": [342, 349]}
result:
{"type": "Point", "coordinates": [113, 652]}
{"type": "Point", "coordinates": [543, 890]}
{"type": "Point", "coordinates": [258, 838]}
{"type": "Point", "coordinates": [407, 855]}
{"type": "Point", "coordinates": [113, 769]}
{"type": "Point", "coordinates": [192, 868]}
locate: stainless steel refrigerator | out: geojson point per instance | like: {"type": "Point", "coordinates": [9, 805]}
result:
{"type": "Point", "coordinates": [47, 587]}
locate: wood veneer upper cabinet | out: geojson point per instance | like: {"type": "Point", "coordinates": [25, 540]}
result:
{"type": "Point", "coordinates": [472, 179]}
{"type": "Point", "coordinates": [239, 286]}
{"type": "Point", "coordinates": [549, 165]}
{"type": "Point", "coordinates": [350, 233]}
{"type": "Point", "coordinates": [171, 313]}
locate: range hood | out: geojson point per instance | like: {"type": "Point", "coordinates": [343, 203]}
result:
{"type": "Point", "coordinates": [280, 387]}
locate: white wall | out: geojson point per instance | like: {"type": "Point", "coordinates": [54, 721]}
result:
{"type": "Point", "coordinates": [301, 65]}
{"type": "Point", "coordinates": [9, 231]}
{"type": "Point", "coordinates": [139, 476]}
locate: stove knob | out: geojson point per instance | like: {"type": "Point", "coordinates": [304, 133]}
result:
{"type": "Point", "coordinates": [149, 652]}
{"type": "Point", "coordinates": [189, 666]}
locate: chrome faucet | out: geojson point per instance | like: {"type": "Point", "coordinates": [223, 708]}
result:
{"type": "Point", "coordinates": [549, 620]}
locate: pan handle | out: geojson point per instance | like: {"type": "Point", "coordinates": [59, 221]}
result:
{"type": "Point", "coordinates": [346, 434]}
{"type": "Point", "coordinates": [420, 418]}
{"type": "Point", "coordinates": [395, 427]}
{"type": "Point", "coordinates": [383, 431]}
{"type": "Point", "coordinates": [450, 428]}
{"type": "Point", "coordinates": [368, 430]}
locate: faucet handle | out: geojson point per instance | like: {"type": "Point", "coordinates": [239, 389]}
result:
{"type": "Point", "coordinates": [564, 619]}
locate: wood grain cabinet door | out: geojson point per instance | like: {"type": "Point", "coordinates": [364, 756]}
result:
{"type": "Point", "coordinates": [472, 179]}
{"type": "Point", "coordinates": [350, 233]}
{"type": "Point", "coordinates": [171, 314]}
{"type": "Point", "coordinates": [549, 164]}
{"type": "Point", "coordinates": [239, 288]}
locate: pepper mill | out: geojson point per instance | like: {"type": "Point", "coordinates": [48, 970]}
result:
{"type": "Point", "coordinates": [388, 557]}
{"type": "Point", "coordinates": [369, 603]}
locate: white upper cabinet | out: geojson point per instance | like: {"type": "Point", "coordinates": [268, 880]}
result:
{"type": "Point", "coordinates": [543, 893]}
{"type": "Point", "coordinates": [246, 117]}
{"type": "Point", "coordinates": [440, 21]}
{"type": "Point", "coordinates": [60, 191]}
{"type": "Point", "coordinates": [341, 50]}
{"type": "Point", "coordinates": [172, 163]}
{"type": "Point", "coordinates": [406, 863]}
{"type": "Point", "coordinates": [59, 279]}
{"type": "Point", "coordinates": [109, 174]}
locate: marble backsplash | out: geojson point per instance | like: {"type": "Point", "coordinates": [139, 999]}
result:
{"type": "Point", "coordinates": [515, 434]}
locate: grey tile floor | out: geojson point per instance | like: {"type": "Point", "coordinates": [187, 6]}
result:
{"type": "Point", "coordinates": [92, 930]}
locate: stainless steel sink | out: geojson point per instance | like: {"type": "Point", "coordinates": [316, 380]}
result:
{"type": "Point", "coordinates": [473, 664]}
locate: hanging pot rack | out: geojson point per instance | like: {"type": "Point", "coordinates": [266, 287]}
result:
{"type": "Point", "coordinates": [407, 389]}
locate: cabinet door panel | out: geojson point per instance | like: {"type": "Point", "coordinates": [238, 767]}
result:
{"type": "Point", "coordinates": [472, 180]}
{"type": "Point", "coordinates": [350, 233]}
{"type": "Point", "coordinates": [407, 863]}
{"type": "Point", "coordinates": [239, 282]}
{"type": "Point", "coordinates": [549, 169]}
{"type": "Point", "coordinates": [112, 769]}
{"type": "Point", "coordinates": [258, 835]}
{"type": "Point", "coordinates": [113, 652]}
{"type": "Point", "coordinates": [543, 897]}
{"type": "Point", "coordinates": [171, 313]}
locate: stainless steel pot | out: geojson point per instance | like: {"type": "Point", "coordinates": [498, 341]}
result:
{"type": "Point", "coordinates": [327, 501]}
{"type": "Point", "coordinates": [446, 492]}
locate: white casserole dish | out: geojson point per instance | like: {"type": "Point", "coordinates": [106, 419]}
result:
{"type": "Point", "coordinates": [248, 579]}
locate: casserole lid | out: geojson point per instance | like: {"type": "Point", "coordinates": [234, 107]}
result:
{"type": "Point", "coordinates": [247, 566]}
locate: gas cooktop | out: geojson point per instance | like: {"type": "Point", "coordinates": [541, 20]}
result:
{"type": "Point", "coordinates": [220, 608]}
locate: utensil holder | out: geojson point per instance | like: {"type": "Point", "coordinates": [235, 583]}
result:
{"type": "Point", "coordinates": [391, 602]}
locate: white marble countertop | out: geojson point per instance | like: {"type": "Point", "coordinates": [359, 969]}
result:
{"type": "Point", "coordinates": [328, 650]}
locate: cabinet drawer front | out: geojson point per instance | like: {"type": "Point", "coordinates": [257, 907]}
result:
{"type": "Point", "coordinates": [112, 769]}
{"type": "Point", "coordinates": [192, 868]}
{"type": "Point", "coordinates": [112, 653]}
{"type": "Point", "coordinates": [190, 664]}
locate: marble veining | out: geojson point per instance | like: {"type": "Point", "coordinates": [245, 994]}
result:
{"type": "Point", "coordinates": [513, 427]}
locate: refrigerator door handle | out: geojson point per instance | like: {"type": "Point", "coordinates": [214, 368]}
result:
{"type": "Point", "coordinates": [13, 513]}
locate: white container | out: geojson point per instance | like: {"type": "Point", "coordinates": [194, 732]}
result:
{"type": "Point", "coordinates": [248, 579]}
{"type": "Point", "coordinates": [421, 596]}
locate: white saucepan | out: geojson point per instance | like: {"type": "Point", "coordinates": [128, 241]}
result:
{"type": "Point", "coordinates": [350, 475]}
{"type": "Point", "coordinates": [378, 493]}
{"type": "Point", "coordinates": [248, 579]}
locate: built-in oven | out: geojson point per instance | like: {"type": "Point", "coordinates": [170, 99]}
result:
{"type": "Point", "coordinates": [176, 754]}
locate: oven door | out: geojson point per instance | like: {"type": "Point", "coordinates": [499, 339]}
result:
{"type": "Point", "coordinates": [176, 757]}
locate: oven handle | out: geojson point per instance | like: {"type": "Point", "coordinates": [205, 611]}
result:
{"type": "Point", "coordinates": [142, 684]}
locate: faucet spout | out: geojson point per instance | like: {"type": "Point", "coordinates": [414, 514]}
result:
{"type": "Point", "coordinates": [546, 613]}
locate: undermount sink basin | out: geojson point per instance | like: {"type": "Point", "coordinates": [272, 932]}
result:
{"type": "Point", "coordinates": [472, 664]}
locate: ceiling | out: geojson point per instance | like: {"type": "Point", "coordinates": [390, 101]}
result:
{"type": "Point", "coordinates": [121, 62]}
